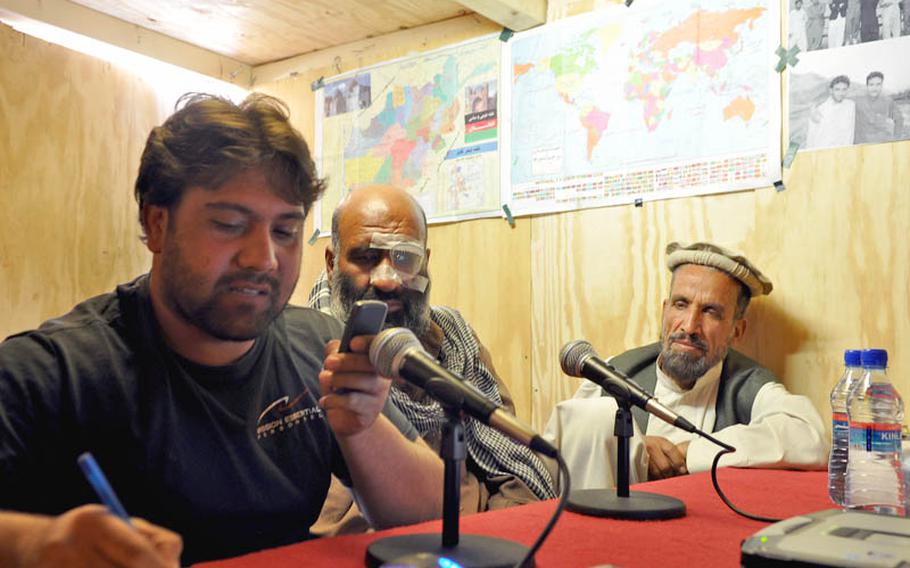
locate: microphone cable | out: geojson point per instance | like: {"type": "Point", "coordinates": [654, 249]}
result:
{"type": "Point", "coordinates": [528, 559]}
{"type": "Point", "coordinates": [728, 449]}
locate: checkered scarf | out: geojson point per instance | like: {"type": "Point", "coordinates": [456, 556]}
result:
{"type": "Point", "coordinates": [459, 353]}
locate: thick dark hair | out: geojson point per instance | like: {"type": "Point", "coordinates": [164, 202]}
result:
{"type": "Point", "coordinates": [209, 140]}
{"type": "Point", "coordinates": [742, 301]}
{"type": "Point", "coordinates": [840, 79]}
{"type": "Point", "coordinates": [875, 74]}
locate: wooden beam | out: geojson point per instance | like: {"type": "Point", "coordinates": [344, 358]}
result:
{"type": "Point", "coordinates": [343, 58]}
{"type": "Point", "coordinates": [517, 15]}
{"type": "Point", "coordinates": [72, 17]}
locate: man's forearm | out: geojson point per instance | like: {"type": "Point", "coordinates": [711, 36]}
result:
{"type": "Point", "coordinates": [397, 481]}
{"type": "Point", "coordinates": [780, 440]}
{"type": "Point", "coordinates": [785, 431]}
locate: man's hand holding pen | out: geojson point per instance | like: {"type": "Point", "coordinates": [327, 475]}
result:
{"type": "Point", "coordinates": [93, 535]}
{"type": "Point", "coordinates": [90, 536]}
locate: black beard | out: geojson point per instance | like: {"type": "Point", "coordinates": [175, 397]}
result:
{"type": "Point", "coordinates": [207, 314]}
{"type": "Point", "coordinates": [415, 306]}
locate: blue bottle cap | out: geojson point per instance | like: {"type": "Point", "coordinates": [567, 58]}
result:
{"type": "Point", "coordinates": [875, 358]}
{"type": "Point", "coordinates": [853, 358]}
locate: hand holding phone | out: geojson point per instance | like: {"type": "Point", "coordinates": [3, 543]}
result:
{"type": "Point", "coordinates": [354, 392]}
{"type": "Point", "coordinates": [366, 318]}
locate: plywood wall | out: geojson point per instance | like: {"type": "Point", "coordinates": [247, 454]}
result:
{"type": "Point", "coordinates": [71, 131]}
{"type": "Point", "coordinates": [834, 243]}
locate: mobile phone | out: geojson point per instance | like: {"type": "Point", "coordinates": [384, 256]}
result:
{"type": "Point", "coordinates": [366, 318]}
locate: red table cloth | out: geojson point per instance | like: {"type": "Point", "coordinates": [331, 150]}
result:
{"type": "Point", "coordinates": [709, 535]}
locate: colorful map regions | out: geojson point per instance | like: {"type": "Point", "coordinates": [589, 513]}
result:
{"type": "Point", "coordinates": [569, 68]}
{"type": "Point", "coordinates": [659, 99]}
{"type": "Point", "coordinates": [699, 45]}
{"type": "Point", "coordinates": [428, 124]}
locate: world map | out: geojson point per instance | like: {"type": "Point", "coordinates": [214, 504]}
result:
{"type": "Point", "coordinates": [654, 94]}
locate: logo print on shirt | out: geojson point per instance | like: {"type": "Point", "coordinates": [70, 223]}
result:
{"type": "Point", "coordinates": [283, 414]}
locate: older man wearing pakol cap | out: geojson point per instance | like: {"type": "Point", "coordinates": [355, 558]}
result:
{"type": "Point", "coordinates": [693, 371]}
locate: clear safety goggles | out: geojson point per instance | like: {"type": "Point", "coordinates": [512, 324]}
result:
{"type": "Point", "coordinates": [406, 257]}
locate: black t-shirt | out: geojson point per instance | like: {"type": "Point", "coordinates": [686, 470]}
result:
{"type": "Point", "coordinates": [234, 458]}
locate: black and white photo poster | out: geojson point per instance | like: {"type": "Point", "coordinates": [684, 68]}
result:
{"type": "Point", "coordinates": [854, 94]}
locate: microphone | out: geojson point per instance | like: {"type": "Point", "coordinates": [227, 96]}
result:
{"type": "Point", "coordinates": [578, 359]}
{"type": "Point", "coordinates": [396, 352]}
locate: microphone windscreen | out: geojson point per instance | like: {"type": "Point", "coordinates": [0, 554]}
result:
{"type": "Point", "coordinates": [573, 355]}
{"type": "Point", "coordinates": [389, 346]}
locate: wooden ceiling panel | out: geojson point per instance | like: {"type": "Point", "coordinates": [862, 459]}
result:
{"type": "Point", "coordinates": [261, 31]}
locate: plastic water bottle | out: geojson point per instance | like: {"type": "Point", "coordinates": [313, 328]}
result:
{"type": "Point", "coordinates": [840, 427]}
{"type": "Point", "coordinates": [876, 411]}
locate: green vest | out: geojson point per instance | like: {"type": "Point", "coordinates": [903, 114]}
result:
{"type": "Point", "coordinates": [740, 380]}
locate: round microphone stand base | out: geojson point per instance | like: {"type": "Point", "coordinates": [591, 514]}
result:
{"type": "Point", "coordinates": [471, 551]}
{"type": "Point", "coordinates": [638, 506]}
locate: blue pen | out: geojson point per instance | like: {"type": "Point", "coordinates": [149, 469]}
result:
{"type": "Point", "coordinates": [105, 492]}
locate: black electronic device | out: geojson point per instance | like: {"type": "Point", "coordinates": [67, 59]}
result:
{"type": "Point", "coordinates": [832, 537]}
{"type": "Point", "coordinates": [578, 359]}
{"type": "Point", "coordinates": [397, 353]}
{"type": "Point", "coordinates": [366, 318]}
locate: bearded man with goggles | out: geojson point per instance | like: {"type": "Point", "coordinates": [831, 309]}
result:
{"type": "Point", "coordinates": [378, 251]}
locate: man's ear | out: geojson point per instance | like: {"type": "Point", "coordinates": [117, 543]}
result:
{"type": "Point", "coordinates": [329, 259]}
{"type": "Point", "coordinates": [739, 329]}
{"type": "Point", "coordinates": [154, 221]}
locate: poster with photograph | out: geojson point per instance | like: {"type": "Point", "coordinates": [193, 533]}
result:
{"type": "Point", "coordinates": [347, 95]}
{"type": "Point", "coordinates": [826, 24]}
{"type": "Point", "coordinates": [851, 95]}
{"type": "Point", "coordinates": [427, 123]}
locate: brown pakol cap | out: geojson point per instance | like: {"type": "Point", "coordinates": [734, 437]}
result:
{"type": "Point", "coordinates": [733, 263]}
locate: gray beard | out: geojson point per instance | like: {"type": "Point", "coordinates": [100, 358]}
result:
{"type": "Point", "coordinates": [684, 367]}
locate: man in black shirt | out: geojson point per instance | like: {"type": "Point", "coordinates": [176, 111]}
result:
{"type": "Point", "coordinates": [209, 402]}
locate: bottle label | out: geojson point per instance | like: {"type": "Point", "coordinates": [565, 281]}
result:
{"type": "Point", "coordinates": [884, 438]}
{"type": "Point", "coordinates": [840, 420]}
